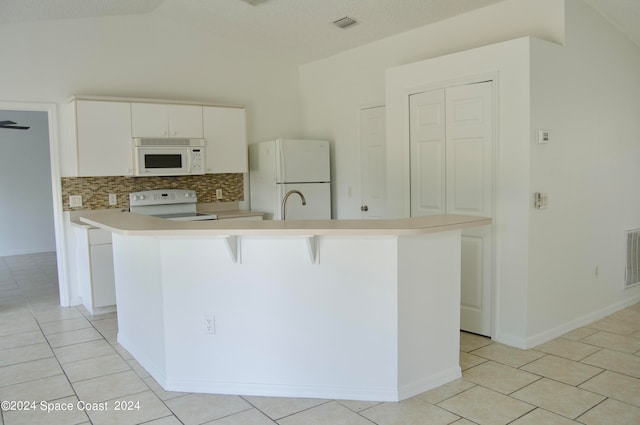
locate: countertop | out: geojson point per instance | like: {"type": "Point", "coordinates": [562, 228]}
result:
{"type": "Point", "coordinates": [222, 214]}
{"type": "Point", "coordinates": [131, 224]}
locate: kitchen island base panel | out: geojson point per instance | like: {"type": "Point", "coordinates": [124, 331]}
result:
{"type": "Point", "coordinates": [376, 319]}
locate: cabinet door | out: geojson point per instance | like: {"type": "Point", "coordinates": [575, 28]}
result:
{"type": "Point", "coordinates": [185, 121]}
{"type": "Point", "coordinates": [102, 277]}
{"type": "Point", "coordinates": [149, 120]}
{"type": "Point", "coordinates": [226, 134]}
{"type": "Point", "coordinates": [104, 138]}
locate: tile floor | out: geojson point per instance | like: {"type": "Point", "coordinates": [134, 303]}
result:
{"type": "Point", "coordinates": [64, 355]}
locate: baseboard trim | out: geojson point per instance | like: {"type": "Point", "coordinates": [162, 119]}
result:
{"type": "Point", "coordinates": [553, 333]}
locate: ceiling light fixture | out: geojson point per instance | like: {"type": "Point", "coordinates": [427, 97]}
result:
{"type": "Point", "coordinates": [12, 125]}
{"type": "Point", "coordinates": [345, 22]}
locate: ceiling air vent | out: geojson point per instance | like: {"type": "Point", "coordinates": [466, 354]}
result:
{"type": "Point", "coordinates": [254, 2]}
{"type": "Point", "coordinates": [345, 22]}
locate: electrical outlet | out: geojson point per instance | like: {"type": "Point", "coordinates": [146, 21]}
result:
{"type": "Point", "coordinates": [209, 323]}
{"type": "Point", "coordinates": [113, 199]}
{"type": "Point", "coordinates": [75, 201]}
{"type": "Point", "coordinates": [218, 194]}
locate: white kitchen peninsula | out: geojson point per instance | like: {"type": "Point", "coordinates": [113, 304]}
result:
{"type": "Point", "coordinates": [347, 309]}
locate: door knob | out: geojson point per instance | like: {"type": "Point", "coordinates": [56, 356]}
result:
{"type": "Point", "coordinates": [364, 208]}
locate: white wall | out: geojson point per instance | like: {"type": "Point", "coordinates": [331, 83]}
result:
{"type": "Point", "coordinates": [143, 56]}
{"type": "Point", "coordinates": [587, 93]}
{"type": "Point", "coordinates": [26, 216]}
{"type": "Point", "coordinates": [333, 90]}
{"type": "Point", "coordinates": [147, 56]}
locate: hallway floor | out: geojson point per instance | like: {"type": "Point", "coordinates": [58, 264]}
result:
{"type": "Point", "coordinates": [64, 358]}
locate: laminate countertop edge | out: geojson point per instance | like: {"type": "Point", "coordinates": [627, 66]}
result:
{"type": "Point", "coordinates": [131, 224]}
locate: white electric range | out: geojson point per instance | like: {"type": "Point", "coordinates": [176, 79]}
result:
{"type": "Point", "coordinates": [171, 204]}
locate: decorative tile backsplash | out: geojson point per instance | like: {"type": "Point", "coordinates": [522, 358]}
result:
{"type": "Point", "coordinates": [95, 190]}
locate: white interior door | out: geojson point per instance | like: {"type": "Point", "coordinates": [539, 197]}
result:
{"type": "Point", "coordinates": [373, 162]}
{"type": "Point", "coordinates": [427, 134]}
{"type": "Point", "coordinates": [451, 138]}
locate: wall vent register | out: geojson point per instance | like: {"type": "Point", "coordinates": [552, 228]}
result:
{"type": "Point", "coordinates": [632, 272]}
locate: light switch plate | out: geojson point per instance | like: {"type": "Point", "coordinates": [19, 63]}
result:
{"type": "Point", "coordinates": [218, 194]}
{"type": "Point", "coordinates": [544, 137]}
{"type": "Point", "coordinates": [113, 199]}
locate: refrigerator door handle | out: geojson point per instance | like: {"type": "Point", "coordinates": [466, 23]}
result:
{"type": "Point", "coordinates": [282, 170]}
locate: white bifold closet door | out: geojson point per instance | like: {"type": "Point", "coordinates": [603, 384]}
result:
{"type": "Point", "coordinates": [451, 139]}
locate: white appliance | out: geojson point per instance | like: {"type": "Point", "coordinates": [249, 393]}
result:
{"type": "Point", "coordinates": [279, 166]}
{"type": "Point", "coordinates": [168, 157]}
{"type": "Point", "coordinates": [171, 204]}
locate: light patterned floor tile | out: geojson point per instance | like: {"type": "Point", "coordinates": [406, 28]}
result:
{"type": "Point", "coordinates": [57, 314]}
{"type": "Point", "coordinates": [470, 342]}
{"type": "Point", "coordinates": [110, 386]}
{"type": "Point", "coordinates": [60, 326]}
{"type": "Point", "coordinates": [484, 406]}
{"type": "Point", "coordinates": [105, 324]}
{"type": "Point", "coordinates": [468, 360]}
{"type": "Point", "coordinates": [409, 412]}
{"type": "Point", "coordinates": [168, 420]}
{"type": "Point", "coordinates": [279, 407]}
{"type": "Point", "coordinates": [129, 410]}
{"type": "Point", "coordinates": [16, 326]}
{"type": "Point", "coordinates": [94, 367]}
{"type": "Point", "coordinates": [73, 337]}
{"type": "Point", "coordinates": [626, 344]}
{"type": "Point", "coordinates": [605, 412]}
{"type": "Point", "coordinates": [507, 355]}
{"type": "Point", "coordinates": [358, 405]}
{"type": "Point", "coordinates": [561, 369]}
{"type": "Point", "coordinates": [572, 350]}
{"type": "Point", "coordinates": [29, 371]}
{"type": "Point", "coordinates": [50, 388]}
{"type": "Point", "coordinates": [499, 377]}
{"type": "Point", "coordinates": [159, 391]}
{"type": "Point", "coordinates": [578, 334]}
{"type": "Point", "coordinates": [445, 391]}
{"type": "Point", "coordinates": [559, 398]}
{"type": "Point", "coordinates": [68, 416]}
{"type": "Point", "coordinates": [331, 413]}
{"type": "Point", "coordinates": [248, 417]}
{"type": "Point", "coordinates": [542, 417]}
{"type": "Point", "coordinates": [614, 385]}
{"type": "Point", "coordinates": [195, 409]}
{"type": "Point", "coordinates": [138, 369]}
{"type": "Point", "coordinates": [614, 325]}
{"type": "Point", "coordinates": [82, 351]}
{"type": "Point", "coordinates": [25, 354]}
{"type": "Point", "coordinates": [624, 363]}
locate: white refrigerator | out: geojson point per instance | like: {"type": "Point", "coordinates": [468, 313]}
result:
{"type": "Point", "coordinates": [278, 166]}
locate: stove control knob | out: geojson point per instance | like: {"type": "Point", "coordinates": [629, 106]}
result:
{"type": "Point", "coordinates": [134, 197]}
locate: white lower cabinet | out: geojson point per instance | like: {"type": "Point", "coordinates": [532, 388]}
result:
{"type": "Point", "coordinates": [95, 270]}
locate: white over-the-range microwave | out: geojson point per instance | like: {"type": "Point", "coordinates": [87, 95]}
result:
{"type": "Point", "coordinates": [168, 157]}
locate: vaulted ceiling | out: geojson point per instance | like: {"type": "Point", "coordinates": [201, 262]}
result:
{"type": "Point", "coordinates": [301, 29]}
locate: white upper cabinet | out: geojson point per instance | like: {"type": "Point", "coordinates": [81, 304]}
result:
{"type": "Point", "coordinates": [226, 135]}
{"type": "Point", "coordinates": [103, 133]}
{"type": "Point", "coordinates": [162, 120]}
